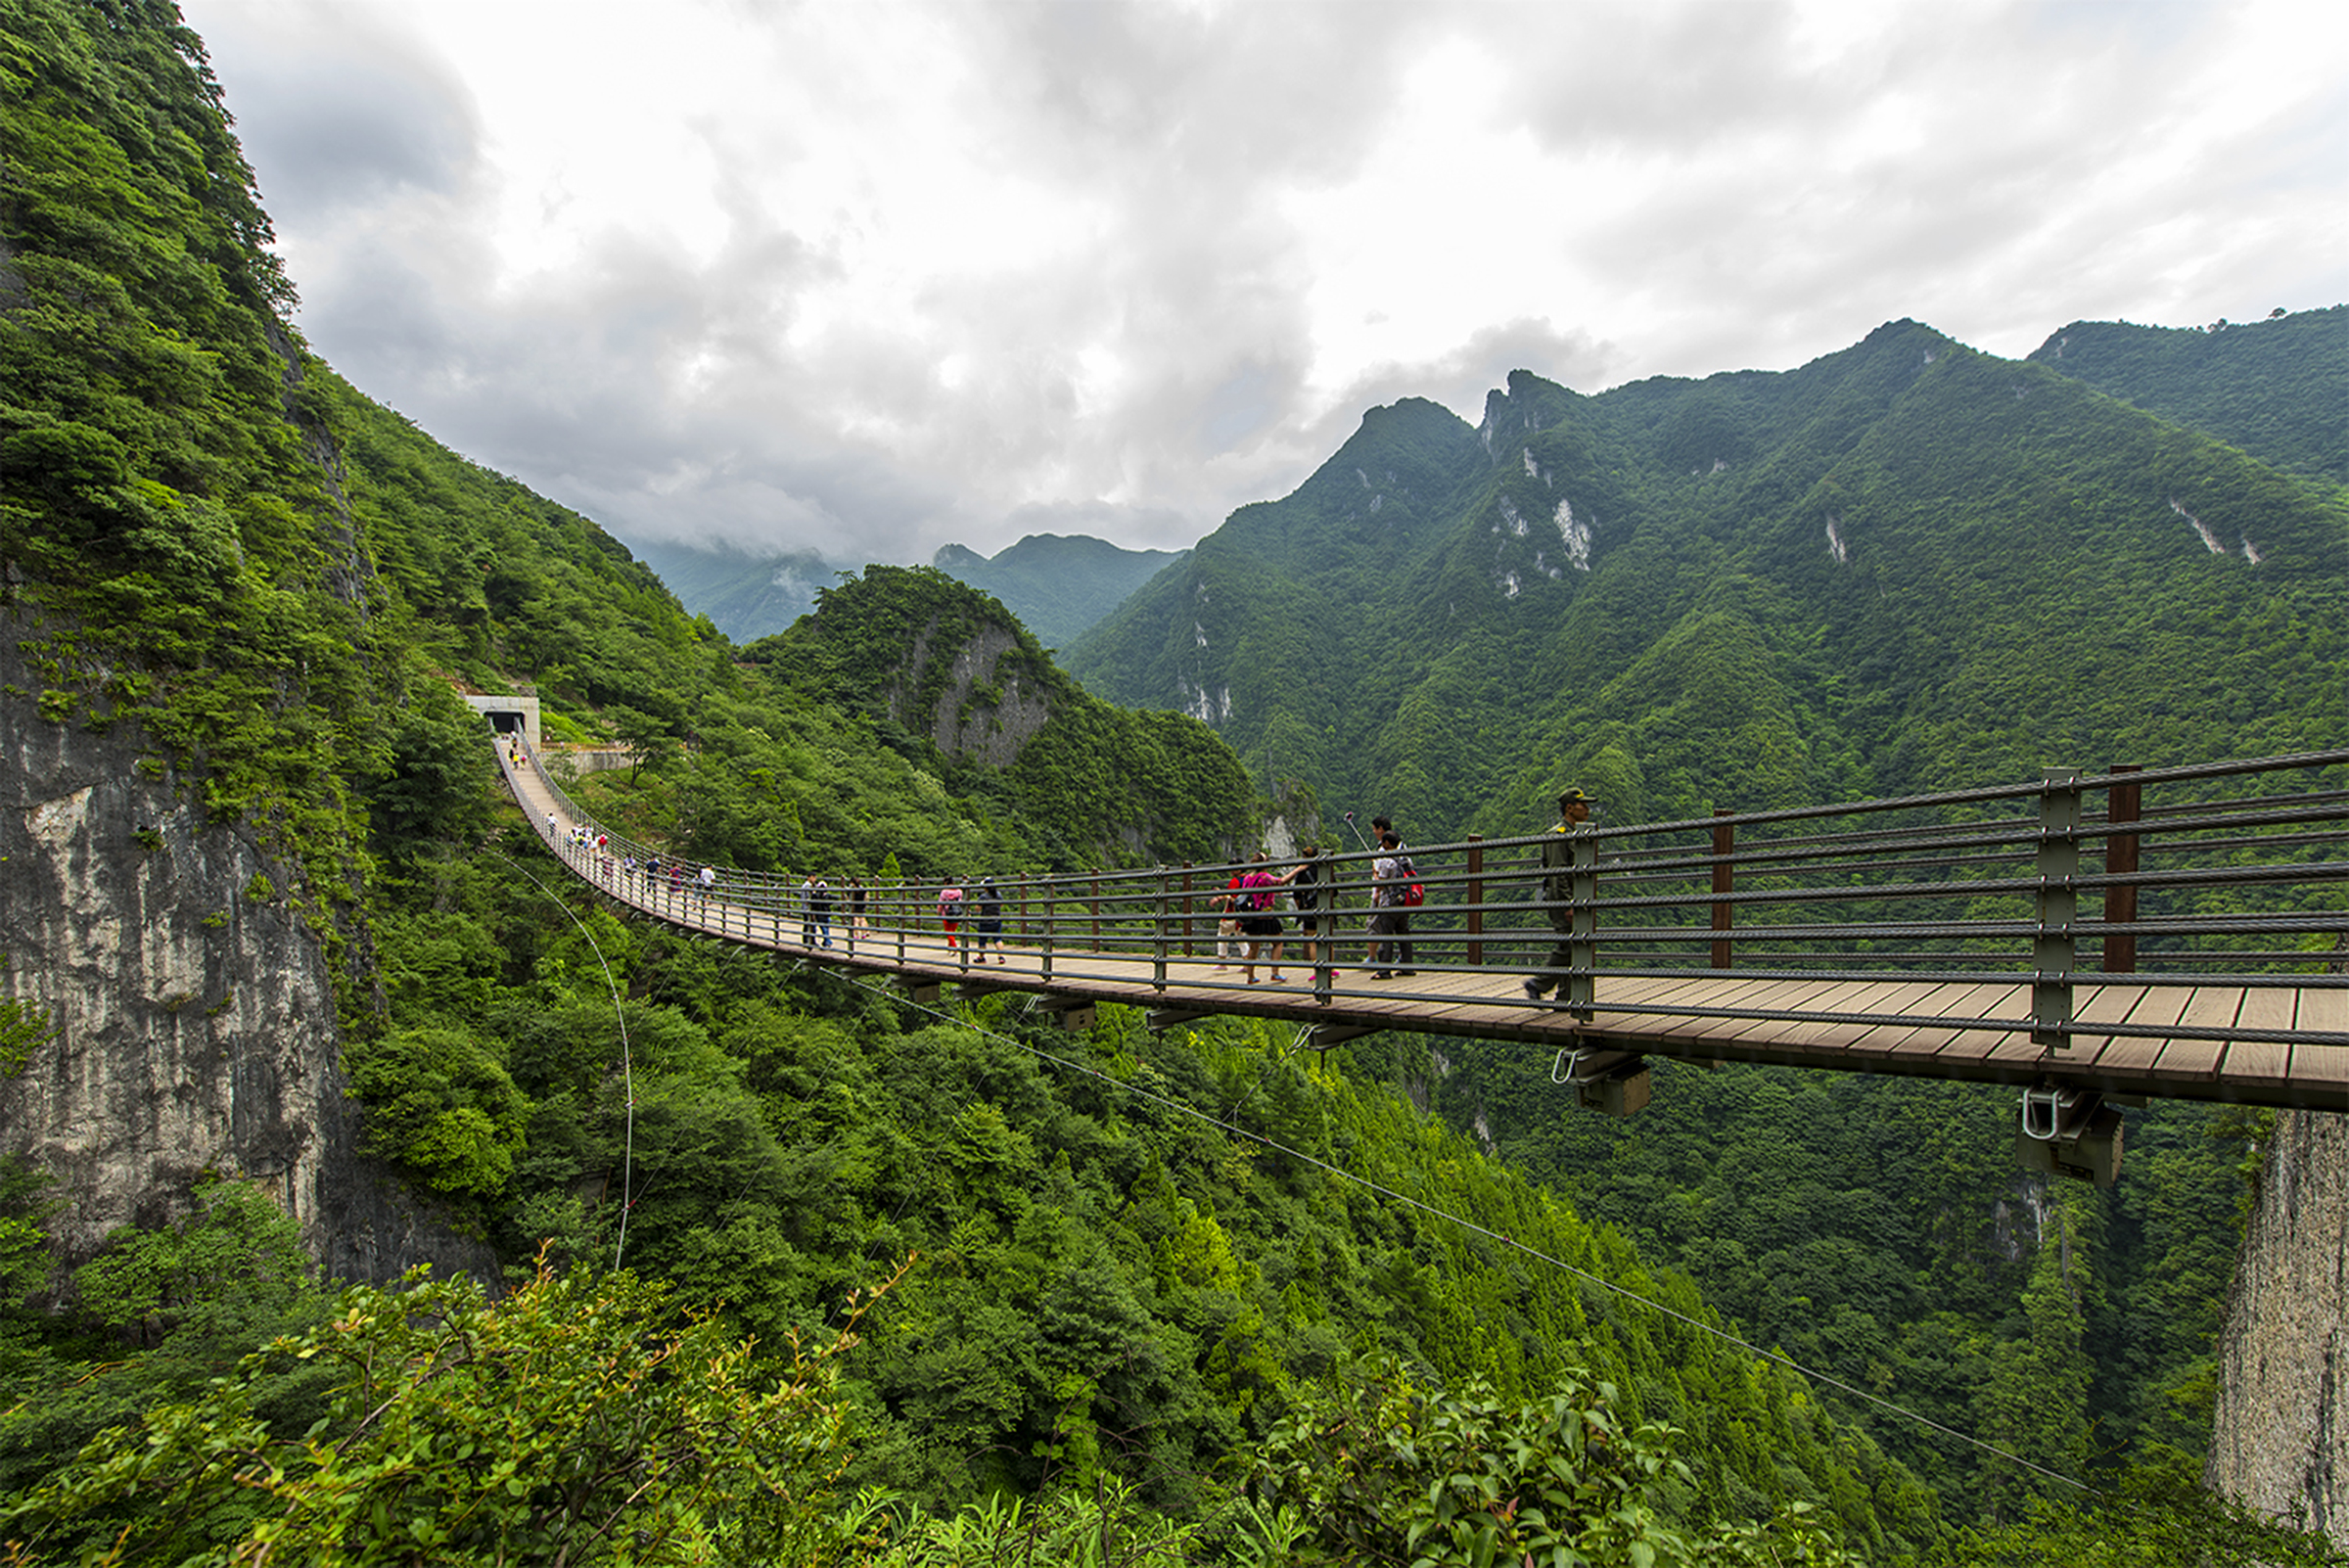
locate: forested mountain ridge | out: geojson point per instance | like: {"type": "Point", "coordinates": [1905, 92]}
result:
{"type": "Point", "coordinates": [1752, 589]}
{"type": "Point", "coordinates": [948, 675]}
{"type": "Point", "coordinates": [1058, 584]}
{"type": "Point", "coordinates": [217, 551]}
{"type": "Point", "coordinates": [2273, 387]}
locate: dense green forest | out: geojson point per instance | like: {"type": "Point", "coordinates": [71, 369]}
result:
{"type": "Point", "coordinates": [2272, 388]}
{"type": "Point", "coordinates": [799, 1271]}
{"type": "Point", "coordinates": [1901, 565]}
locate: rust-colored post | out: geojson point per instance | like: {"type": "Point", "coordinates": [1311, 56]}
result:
{"type": "Point", "coordinates": [1476, 898]}
{"type": "Point", "coordinates": [1186, 909]}
{"type": "Point", "coordinates": [2121, 804]}
{"type": "Point", "coordinates": [1094, 903]}
{"type": "Point", "coordinates": [1724, 882]}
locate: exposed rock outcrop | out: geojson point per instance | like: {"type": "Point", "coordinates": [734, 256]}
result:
{"type": "Point", "coordinates": [2280, 1440]}
{"type": "Point", "coordinates": [984, 710]}
{"type": "Point", "coordinates": [191, 1016]}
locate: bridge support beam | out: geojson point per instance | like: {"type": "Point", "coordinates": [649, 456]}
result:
{"type": "Point", "coordinates": [922, 993]}
{"type": "Point", "coordinates": [2069, 1132]}
{"type": "Point", "coordinates": [1322, 1036]}
{"type": "Point", "coordinates": [1070, 1013]}
{"type": "Point", "coordinates": [1617, 1083]}
{"type": "Point", "coordinates": [1164, 1018]}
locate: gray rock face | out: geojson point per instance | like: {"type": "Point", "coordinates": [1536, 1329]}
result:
{"type": "Point", "coordinates": [191, 1021]}
{"type": "Point", "coordinates": [2280, 1440]}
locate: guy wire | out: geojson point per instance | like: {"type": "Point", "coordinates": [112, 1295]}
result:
{"type": "Point", "coordinates": [1487, 1233]}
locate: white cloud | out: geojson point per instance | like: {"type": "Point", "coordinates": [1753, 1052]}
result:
{"type": "Point", "coordinates": [869, 277]}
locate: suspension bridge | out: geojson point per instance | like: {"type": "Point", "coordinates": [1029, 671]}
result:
{"type": "Point", "coordinates": [2093, 939]}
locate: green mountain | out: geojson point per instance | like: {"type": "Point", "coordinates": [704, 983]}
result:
{"type": "Point", "coordinates": [949, 677]}
{"type": "Point", "coordinates": [745, 595]}
{"type": "Point", "coordinates": [1753, 589]}
{"type": "Point", "coordinates": [2273, 387]}
{"type": "Point", "coordinates": [1154, 1270]}
{"type": "Point", "coordinates": [1058, 584]}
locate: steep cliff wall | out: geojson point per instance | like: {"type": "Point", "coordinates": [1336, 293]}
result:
{"type": "Point", "coordinates": [193, 1022]}
{"type": "Point", "coordinates": [2280, 1440]}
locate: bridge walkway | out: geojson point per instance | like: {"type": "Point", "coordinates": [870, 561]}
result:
{"type": "Point", "coordinates": [2261, 1039]}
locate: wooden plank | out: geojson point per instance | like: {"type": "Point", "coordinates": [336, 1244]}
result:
{"type": "Point", "coordinates": [2100, 1004]}
{"type": "Point", "coordinates": [1919, 996]}
{"type": "Point", "coordinates": [1927, 1042]}
{"type": "Point", "coordinates": [2266, 1062]}
{"type": "Point", "coordinates": [1842, 997]}
{"type": "Point", "coordinates": [2207, 1007]}
{"type": "Point", "coordinates": [1786, 997]}
{"type": "Point", "coordinates": [2323, 1070]}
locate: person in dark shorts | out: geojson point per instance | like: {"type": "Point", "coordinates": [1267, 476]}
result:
{"type": "Point", "coordinates": [990, 926]}
{"type": "Point", "coordinates": [1258, 902]}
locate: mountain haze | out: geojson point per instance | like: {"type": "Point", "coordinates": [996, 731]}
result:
{"type": "Point", "coordinates": [745, 595]}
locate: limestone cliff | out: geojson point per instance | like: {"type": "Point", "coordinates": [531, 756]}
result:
{"type": "Point", "coordinates": [193, 1023]}
{"type": "Point", "coordinates": [2279, 1440]}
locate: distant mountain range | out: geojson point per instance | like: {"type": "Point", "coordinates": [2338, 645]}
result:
{"type": "Point", "coordinates": [1058, 585]}
{"type": "Point", "coordinates": [1903, 564]}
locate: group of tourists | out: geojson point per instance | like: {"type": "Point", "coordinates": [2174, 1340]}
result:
{"type": "Point", "coordinates": [1249, 927]}
{"type": "Point", "coordinates": [981, 909]}
{"type": "Point", "coordinates": [818, 898]}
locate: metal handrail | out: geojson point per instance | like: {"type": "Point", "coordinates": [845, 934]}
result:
{"type": "Point", "coordinates": [1487, 908]}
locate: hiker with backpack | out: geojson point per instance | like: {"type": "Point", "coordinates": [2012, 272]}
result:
{"type": "Point", "coordinates": [1393, 880]}
{"type": "Point", "coordinates": [1259, 900]}
{"type": "Point", "coordinates": [990, 926]}
{"type": "Point", "coordinates": [1305, 881]}
{"type": "Point", "coordinates": [949, 918]}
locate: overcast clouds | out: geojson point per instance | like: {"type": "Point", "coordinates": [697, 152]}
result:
{"type": "Point", "coordinates": [869, 277]}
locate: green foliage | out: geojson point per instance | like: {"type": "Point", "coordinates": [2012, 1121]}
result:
{"type": "Point", "coordinates": [24, 1027]}
{"type": "Point", "coordinates": [2272, 388]}
{"type": "Point", "coordinates": [165, 1311]}
{"type": "Point", "coordinates": [2157, 1517]}
{"type": "Point", "coordinates": [575, 1420]}
{"type": "Point", "coordinates": [1098, 785]}
{"type": "Point", "coordinates": [234, 1261]}
{"type": "Point", "coordinates": [440, 1102]}
{"type": "Point", "coordinates": [1390, 1473]}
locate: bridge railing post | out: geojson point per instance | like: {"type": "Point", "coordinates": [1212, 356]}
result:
{"type": "Point", "coordinates": [1158, 935]}
{"type": "Point", "coordinates": [1476, 899]}
{"type": "Point", "coordinates": [2123, 803]}
{"type": "Point", "coordinates": [1582, 956]}
{"type": "Point", "coordinates": [1093, 902]}
{"type": "Point", "coordinates": [1051, 927]}
{"type": "Point", "coordinates": [2053, 947]}
{"type": "Point", "coordinates": [1724, 883]}
{"type": "Point", "coordinates": [1186, 909]}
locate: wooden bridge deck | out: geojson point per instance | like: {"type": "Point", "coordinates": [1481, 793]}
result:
{"type": "Point", "coordinates": [2182, 1042]}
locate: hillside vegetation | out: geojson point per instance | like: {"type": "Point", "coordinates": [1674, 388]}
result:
{"type": "Point", "coordinates": [2272, 388]}
{"type": "Point", "coordinates": [800, 1271]}
{"type": "Point", "coordinates": [1901, 564]}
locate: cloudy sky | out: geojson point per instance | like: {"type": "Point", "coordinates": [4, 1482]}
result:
{"type": "Point", "coordinates": [868, 277]}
